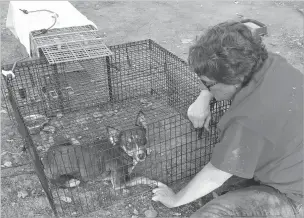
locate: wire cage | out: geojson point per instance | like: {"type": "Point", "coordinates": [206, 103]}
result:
{"type": "Point", "coordinates": [120, 118]}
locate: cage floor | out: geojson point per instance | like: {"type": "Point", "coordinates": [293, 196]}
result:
{"type": "Point", "coordinates": [176, 152]}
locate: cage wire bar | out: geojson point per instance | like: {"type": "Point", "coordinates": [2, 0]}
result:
{"type": "Point", "coordinates": [67, 107]}
{"type": "Point", "coordinates": [5, 102]}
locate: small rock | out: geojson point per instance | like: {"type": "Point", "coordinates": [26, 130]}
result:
{"type": "Point", "coordinates": [236, 2]}
{"type": "Point", "coordinates": [59, 115]}
{"type": "Point", "coordinates": [125, 191]}
{"type": "Point", "coordinates": [135, 212]}
{"type": "Point", "coordinates": [44, 136]}
{"type": "Point", "coordinates": [79, 137]}
{"type": "Point", "coordinates": [72, 183]}
{"type": "Point", "coordinates": [115, 111]}
{"type": "Point", "coordinates": [108, 213]}
{"type": "Point", "coordinates": [85, 128]}
{"type": "Point", "coordinates": [97, 114]}
{"type": "Point", "coordinates": [186, 41]}
{"type": "Point", "coordinates": [51, 140]}
{"type": "Point", "coordinates": [66, 199]}
{"type": "Point", "coordinates": [151, 213]}
{"type": "Point", "coordinates": [200, 202]}
{"type": "Point", "coordinates": [42, 202]}
{"type": "Point", "coordinates": [134, 216]}
{"type": "Point", "coordinates": [215, 195]}
{"type": "Point", "coordinates": [47, 145]}
{"type": "Point", "coordinates": [40, 148]}
{"type": "Point", "coordinates": [22, 194]}
{"type": "Point", "coordinates": [75, 141]}
{"type": "Point", "coordinates": [143, 101]}
{"type": "Point", "coordinates": [176, 214]}
{"type": "Point", "coordinates": [7, 164]}
{"type": "Point", "coordinates": [97, 7]}
{"type": "Point", "coordinates": [11, 134]}
{"type": "Point", "coordinates": [57, 124]}
{"type": "Point", "coordinates": [239, 15]}
{"type": "Point", "coordinates": [3, 112]}
{"type": "Point", "coordinates": [49, 129]}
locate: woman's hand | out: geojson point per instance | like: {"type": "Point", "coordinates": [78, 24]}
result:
{"type": "Point", "coordinates": [165, 195]}
{"type": "Point", "coordinates": [199, 111]}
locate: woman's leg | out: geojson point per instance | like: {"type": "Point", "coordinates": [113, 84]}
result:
{"type": "Point", "coordinates": [254, 201]}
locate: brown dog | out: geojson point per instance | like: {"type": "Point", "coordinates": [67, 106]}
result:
{"type": "Point", "coordinates": [111, 159]}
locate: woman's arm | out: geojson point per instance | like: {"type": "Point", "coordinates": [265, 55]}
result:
{"type": "Point", "coordinates": [207, 180]}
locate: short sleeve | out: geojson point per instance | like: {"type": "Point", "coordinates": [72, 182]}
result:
{"type": "Point", "coordinates": [239, 151]}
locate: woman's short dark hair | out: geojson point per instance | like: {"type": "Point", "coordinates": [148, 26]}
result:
{"type": "Point", "coordinates": [226, 53]}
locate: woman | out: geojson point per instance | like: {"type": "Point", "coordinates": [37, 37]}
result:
{"type": "Point", "coordinates": [261, 133]}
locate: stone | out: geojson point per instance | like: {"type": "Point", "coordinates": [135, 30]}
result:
{"type": "Point", "coordinates": [97, 114]}
{"type": "Point", "coordinates": [49, 129]}
{"type": "Point", "coordinates": [135, 212]}
{"type": "Point", "coordinates": [151, 213]}
{"type": "Point", "coordinates": [40, 148]}
{"type": "Point", "coordinates": [44, 136]}
{"type": "Point", "coordinates": [43, 202]}
{"type": "Point", "coordinates": [22, 194]}
{"type": "Point", "coordinates": [75, 141]}
{"type": "Point", "coordinates": [125, 191]}
{"type": "Point", "coordinates": [3, 111]}
{"type": "Point", "coordinates": [7, 164]}
{"type": "Point", "coordinates": [11, 134]}
{"type": "Point", "coordinates": [57, 124]}
{"type": "Point", "coordinates": [59, 115]}
{"type": "Point", "coordinates": [214, 195]}
{"type": "Point", "coordinates": [66, 199]}
{"type": "Point", "coordinates": [134, 216]}
{"type": "Point", "coordinates": [51, 140]}
{"type": "Point", "coordinates": [46, 145]}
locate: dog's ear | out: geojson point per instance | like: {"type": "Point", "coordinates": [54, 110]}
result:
{"type": "Point", "coordinates": [141, 120]}
{"type": "Point", "coordinates": [113, 135]}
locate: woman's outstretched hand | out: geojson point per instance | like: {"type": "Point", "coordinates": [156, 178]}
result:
{"type": "Point", "coordinates": [165, 195]}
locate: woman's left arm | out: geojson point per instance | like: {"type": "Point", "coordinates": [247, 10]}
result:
{"type": "Point", "coordinates": [207, 180]}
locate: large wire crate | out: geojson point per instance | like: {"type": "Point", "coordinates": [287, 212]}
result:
{"type": "Point", "coordinates": [70, 112]}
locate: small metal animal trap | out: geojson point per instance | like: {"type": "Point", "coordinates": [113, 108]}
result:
{"type": "Point", "coordinates": [99, 128]}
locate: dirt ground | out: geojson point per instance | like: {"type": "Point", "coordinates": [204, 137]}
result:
{"type": "Point", "coordinates": [172, 24]}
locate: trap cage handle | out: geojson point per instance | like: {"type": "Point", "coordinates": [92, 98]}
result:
{"type": "Point", "coordinates": [39, 169]}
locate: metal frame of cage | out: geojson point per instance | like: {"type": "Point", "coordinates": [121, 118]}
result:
{"type": "Point", "coordinates": [109, 91]}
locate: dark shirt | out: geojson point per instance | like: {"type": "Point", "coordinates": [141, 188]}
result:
{"type": "Point", "coordinates": [262, 132]}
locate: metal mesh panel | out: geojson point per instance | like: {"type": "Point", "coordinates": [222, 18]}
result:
{"type": "Point", "coordinates": [68, 44]}
{"type": "Point", "coordinates": [81, 117]}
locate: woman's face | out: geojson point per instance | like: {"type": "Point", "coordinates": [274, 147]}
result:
{"type": "Point", "coordinates": [220, 91]}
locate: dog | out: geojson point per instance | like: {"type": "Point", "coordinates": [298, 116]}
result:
{"type": "Point", "coordinates": [112, 159]}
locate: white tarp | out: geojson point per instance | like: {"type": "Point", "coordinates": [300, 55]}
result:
{"type": "Point", "coordinates": [22, 24]}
